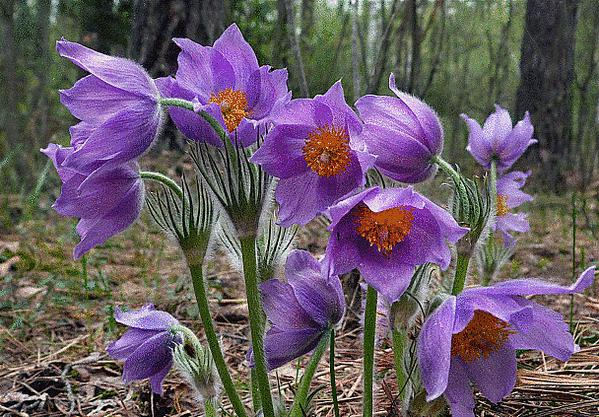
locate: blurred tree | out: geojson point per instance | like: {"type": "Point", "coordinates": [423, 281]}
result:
{"type": "Point", "coordinates": [547, 72]}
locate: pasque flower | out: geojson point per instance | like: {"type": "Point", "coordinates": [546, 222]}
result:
{"type": "Point", "coordinates": [299, 310]}
{"type": "Point", "coordinates": [386, 234]}
{"type": "Point", "coordinates": [473, 338]}
{"type": "Point", "coordinates": [498, 140]}
{"type": "Point", "coordinates": [107, 200]}
{"type": "Point", "coordinates": [226, 81]}
{"type": "Point", "coordinates": [147, 347]}
{"type": "Point", "coordinates": [403, 132]}
{"type": "Point", "coordinates": [510, 196]}
{"type": "Point", "coordinates": [118, 105]}
{"type": "Point", "coordinates": [315, 152]}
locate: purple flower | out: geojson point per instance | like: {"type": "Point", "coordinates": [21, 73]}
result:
{"type": "Point", "coordinates": [225, 81]}
{"type": "Point", "coordinates": [509, 196]}
{"type": "Point", "coordinates": [497, 140]}
{"type": "Point", "coordinates": [315, 151]}
{"type": "Point", "coordinates": [386, 234]}
{"type": "Point", "coordinates": [403, 132]}
{"type": "Point", "coordinates": [147, 346]}
{"type": "Point", "coordinates": [118, 105]}
{"type": "Point", "coordinates": [473, 337]}
{"type": "Point", "coordinates": [107, 200]}
{"type": "Point", "coordinates": [300, 310]}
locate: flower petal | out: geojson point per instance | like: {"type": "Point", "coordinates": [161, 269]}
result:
{"type": "Point", "coordinates": [458, 393]}
{"type": "Point", "coordinates": [128, 342]}
{"type": "Point", "coordinates": [146, 318]}
{"type": "Point", "coordinates": [150, 358]}
{"type": "Point", "coordinates": [239, 53]}
{"type": "Point", "coordinates": [494, 376]}
{"type": "Point", "coordinates": [282, 307]}
{"type": "Point", "coordinates": [434, 349]}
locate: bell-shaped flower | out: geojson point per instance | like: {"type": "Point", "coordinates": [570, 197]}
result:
{"type": "Point", "coordinates": [510, 196]}
{"type": "Point", "coordinates": [474, 337]}
{"type": "Point", "coordinates": [118, 105]}
{"type": "Point", "coordinates": [403, 132]}
{"type": "Point", "coordinates": [147, 347]}
{"type": "Point", "coordinates": [300, 310]}
{"type": "Point", "coordinates": [386, 234]}
{"type": "Point", "coordinates": [315, 152]}
{"type": "Point", "coordinates": [498, 140]}
{"type": "Point", "coordinates": [226, 81]}
{"type": "Point", "coordinates": [107, 200]}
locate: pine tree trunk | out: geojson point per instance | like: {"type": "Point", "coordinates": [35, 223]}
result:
{"type": "Point", "coordinates": [547, 72]}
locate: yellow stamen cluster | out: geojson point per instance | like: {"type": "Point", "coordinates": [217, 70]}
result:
{"type": "Point", "coordinates": [327, 151]}
{"type": "Point", "coordinates": [485, 334]}
{"type": "Point", "coordinates": [502, 207]}
{"type": "Point", "coordinates": [383, 229]}
{"type": "Point", "coordinates": [233, 106]}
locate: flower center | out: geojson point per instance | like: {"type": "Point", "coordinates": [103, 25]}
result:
{"type": "Point", "coordinates": [233, 105]}
{"type": "Point", "coordinates": [502, 207]}
{"type": "Point", "coordinates": [327, 151]}
{"type": "Point", "coordinates": [386, 228]}
{"type": "Point", "coordinates": [484, 335]}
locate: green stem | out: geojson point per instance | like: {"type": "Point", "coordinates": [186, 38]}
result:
{"type": "Point", "coordinates": [446, 167]}
{"type": "Point", "coordinates": [398, 338]}
{"type": "Point", "coordinates": [299, 404]}
{"type": "Point", "coordinates": [199, 288]}
{"type": "Point", "coordinates": [256, 400]}
{"type": "Point", "coordinates": [332, 373]}
{"type": "Point", "coordinates": [461, 270]}
{"type": "Point", "coordinates": [369, 333]}
{"type": "Point", "coordinates": [248, 255]}
{"type": "Point", "coordinates": [164, 180]}
{"type": "Point", "coordinates": [188, 105]}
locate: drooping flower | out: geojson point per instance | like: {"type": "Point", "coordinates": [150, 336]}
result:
{"type": "Point", "coordinates": [300, 310]}
{"type": "Point", "coordinates": [147, 346]}
{"type": "Point", "coordinates": [510, 196]}
{"type": "Point", "coordinates": [118, 105]}
{"type": "Point", "coordinates": [473, 338]}
{"type": "Point", "coordinates": [403, 132]}
{"type": "Point", "coordinates": [497, 140]}
{"type": "Point", "coordinates": [386, 234]}
{"type": "Point", "coordinates": [226, 81]}
{"type": "Point", "coordinates": [315, 152]}
{"type": "Point", "coordinates": [107, 200]}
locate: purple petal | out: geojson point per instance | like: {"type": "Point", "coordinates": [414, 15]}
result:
{"type": "Point", "coordinates": [389, 275]}
{"type": "Point", "coordinates": [281, 347]}
{"type": "Point", "coordinates": [343, 207]}
{"type": "Point", "coordinates": [150, 358]}
{"type": "Point", "coordinates": [495, 376]}
{"type": "Point", "coordinates": [434, 349]}
{"type": "Point", "coordinates": [157, 379]}
{"type": "Point", "coordinates": [80, 133]}
{"type": "Point", "coordinates": [478, 144]}
{"type": "Point", "coordinates": [118, 72]}
{"type": "Point", "coordinates": [500, 306]}
{"type": "Point", "coordinates": [519, 139]}
{"type": "Point", "coordinates": [203, 70]}
{"type": "Point", "coordinates": [525, 287]}
{"type": "Point", "coordinates": [281, 154]}
{"type": "Point", "coordinates": [282, 308]}
{"type": "Point", "coordinates": [516, 222]}
{"type": "Point", "coordinates": [497, 127]}
{"type": "Point", "coordinates": [343, 115]}
{"type": "Point", "coordinates": [123, 137]}
{"type": "Point", "coordinates": [342, 254]}
{"type": "Point", "coordinates": [93, 100]}
{"type": "Point", "coordinates": [146, 318]}
{"type": "Point", "coordinates": [239, 53]}
{"type": "Point", "coordinates": [128, 342]}
{"type": "Point", "coordinates": [545, 331]}
{"type": "Point", "coordinates": [320, 296]}
{"type": "Point", "coordinates": [458, 393]}
{"type": "Point", "coordinates": [307, 112]}
{"type": "Point", "coordinates": [509, 186]}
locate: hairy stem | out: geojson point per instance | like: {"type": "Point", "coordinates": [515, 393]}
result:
{"type": "Point", "coordinates": [332, 373]}
{"type": "Point", "coordinates": [369, 333]}
{"type": "Point", "coordinates": [299, 404]}
{"type": "Point", "coordinates": [248, 254]}
{"type": "Point", "coordinates": [164, 180]}
{"type": "Point", "coordinates": [398, 338]}
{"type": "Point", "coordinates": [199, 287]}
{"type": "Point", "coordinates": [461, 270]}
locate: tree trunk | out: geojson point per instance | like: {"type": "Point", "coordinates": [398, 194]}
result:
{"type": "Point", "coordinates": [40, 101]}
{"type": "Point", "coordinates": [156, 22]}
{"type": "Point", "coordinates": [547, 72]}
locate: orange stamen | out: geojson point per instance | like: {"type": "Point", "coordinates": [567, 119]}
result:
{"type": "Point", "coordinates": [233, 106]}
{"type": "Point", "coordinates": [327, 151]}
{"type": "Point", "coordinates": [485, 334]}
{"type": "Point", "coordinates": [502, 207]}
{"type": "Point", "coordinates": [386, 228]}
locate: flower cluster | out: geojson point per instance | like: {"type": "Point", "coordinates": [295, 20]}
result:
{"type": "Point", "coordinates": [322, 157]}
